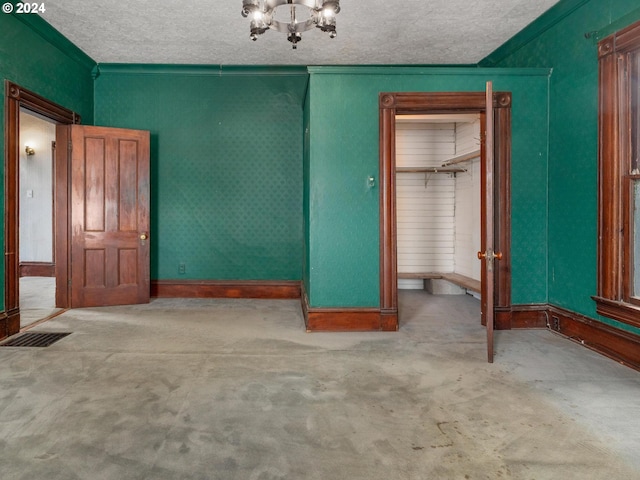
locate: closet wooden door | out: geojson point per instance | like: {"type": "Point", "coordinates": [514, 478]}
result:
{"type": "Point", "coordinates": [488, 255]}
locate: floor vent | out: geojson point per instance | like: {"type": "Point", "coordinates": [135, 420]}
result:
{"type": "Point", "coordinates": [34, 339]}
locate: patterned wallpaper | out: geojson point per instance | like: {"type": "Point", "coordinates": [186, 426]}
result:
{"type": "Point", "coordinates": [226, 168]}
{"type": "Point", "coordinates": [343, 239]}
{"type": "Point", "coordinates": [573, 149]}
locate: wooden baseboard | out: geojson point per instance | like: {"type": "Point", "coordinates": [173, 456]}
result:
{"type": "Point", "coordinates": [4, 332]}
{"type": "Point", "coordinates": [275, 290]}
{"type": "Point", "coordinates": [619, 345]}
{"type": "Point", "coordinates": [346, 319]}
{"type": "Point", "coordinates": [13, 321]}
{"type": "Point", "coordinates": [37, 269]}
{"type": "Point", "coordinates": [502, 319]}
{"type": "Point", "coordinates": [389, 320]}
{"type": "Point", "coordinates": [9, 323]}
{"type": "Point", "coordinates": [528, 316]}
{"type": "Point", "coordinates": [343, 320]}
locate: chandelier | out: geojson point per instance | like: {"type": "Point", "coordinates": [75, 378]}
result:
{"type": "Point", "coordinates": [298, 17]}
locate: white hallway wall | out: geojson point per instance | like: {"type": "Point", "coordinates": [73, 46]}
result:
{"type": "Point", "coordinates": [36, 189]}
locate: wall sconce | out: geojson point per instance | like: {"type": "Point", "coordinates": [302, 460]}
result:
{"type": "Point", "coordinates": [29, 151]}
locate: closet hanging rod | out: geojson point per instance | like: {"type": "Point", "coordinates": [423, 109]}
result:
{"type": "Point", "coordinates": [430, 170]}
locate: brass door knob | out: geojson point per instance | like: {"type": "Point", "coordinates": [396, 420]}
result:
{"type": "Point", "coordinates": [497, 255]}
{"type": "Point", "coordinates": [143, 236]}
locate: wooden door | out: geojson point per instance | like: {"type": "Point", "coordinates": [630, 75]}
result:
{"type": "Point", "coordinates": [109, 216]}
{"type": "Point", "coordinates": [488, 255]}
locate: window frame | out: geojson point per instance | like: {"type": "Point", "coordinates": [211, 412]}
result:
{"type": "Point", "coordinates": [617, 56]}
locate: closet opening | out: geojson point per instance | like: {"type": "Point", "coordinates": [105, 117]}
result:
{"type": "Point", "coordinates": [397, 110]}
{"type": "Point", "coordinates": [438, 203]}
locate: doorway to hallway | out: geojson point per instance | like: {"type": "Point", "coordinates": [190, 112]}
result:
{"type": "Point", "coordinates": [100, 210]}
{"type": "Point", "coordinates": [36, 238]}
{"type": "Point", "coordinates": [19, 101]}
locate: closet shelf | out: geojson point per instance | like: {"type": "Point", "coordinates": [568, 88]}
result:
{"type": "Point", "coordinates": [430, 170]}
{"type": "Point", "coordinates": [461, 158]}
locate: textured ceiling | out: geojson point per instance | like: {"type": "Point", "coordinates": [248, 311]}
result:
{"type": "Point", "coordinates": [371, 32]}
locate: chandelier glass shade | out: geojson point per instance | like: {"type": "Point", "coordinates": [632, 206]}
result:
{"type": "Point", "coordinates": [291, 17]}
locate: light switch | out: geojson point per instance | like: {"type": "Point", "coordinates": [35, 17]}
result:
{"type": "Point", "coordinates": [29, 193]}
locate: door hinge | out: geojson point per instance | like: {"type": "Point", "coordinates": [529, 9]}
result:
{"type": "Point", "coordinates": [70, 146]}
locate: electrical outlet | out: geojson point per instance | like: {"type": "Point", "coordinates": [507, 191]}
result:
{"type": "Point", "coordinates": [182, 269]}
{"type": "Point", "coordinates": [556, 323]}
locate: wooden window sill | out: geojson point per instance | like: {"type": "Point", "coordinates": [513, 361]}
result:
{"type": "Point", "coordinates": [617, 310]}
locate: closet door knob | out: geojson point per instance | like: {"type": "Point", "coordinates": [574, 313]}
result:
{"type": "Point", "coordinates": [497, 255]}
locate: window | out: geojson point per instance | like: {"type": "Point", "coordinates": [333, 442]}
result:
{"type": "Point", "coordinates": [618, 294]}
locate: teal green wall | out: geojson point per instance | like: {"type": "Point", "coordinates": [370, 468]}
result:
{"type": "Point", "coordinates": [51, 67]}
{"type": "Point", "coordinates": [226, 165]}
{"type": "Point", "coordinates": [343, 217]}
{"type": "Point", "coordinates": [306, 278]}
{"type": "Point", "coordinates": [262, 173]}
{"type": "Point", "coordinates": [573, 124]}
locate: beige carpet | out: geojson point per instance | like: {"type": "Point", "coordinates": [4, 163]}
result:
{"type": "Point", "coordinates": [235, 389]}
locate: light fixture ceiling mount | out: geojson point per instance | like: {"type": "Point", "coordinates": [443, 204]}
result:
{"type": "Point", "coordinates": [302, 15]}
